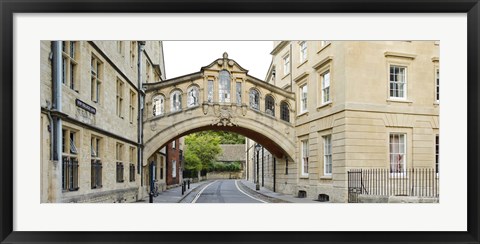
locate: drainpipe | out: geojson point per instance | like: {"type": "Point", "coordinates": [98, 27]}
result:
{"type": "Point", "coordinates": [57, 105]}
{"type": "Point", "coordinates": [141, 46]}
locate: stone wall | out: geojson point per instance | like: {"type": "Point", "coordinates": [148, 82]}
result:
{"type": "Point", "coordinates": [115, 196]}
{"type": "Point", "coordinates": [224, 175]}
{"type": "Point", "coordinates": [396, 199]}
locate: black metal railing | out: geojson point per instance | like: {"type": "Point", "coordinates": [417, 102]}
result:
{"type": "Point", "coordinates": [96, 174]}
{"type": "Point", "coordinates": [422, 182]}
{"type": "Point", "coordinates": [69, 174]}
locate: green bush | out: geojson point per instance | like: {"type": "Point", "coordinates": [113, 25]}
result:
{"type": "Point", "coordinates": [226, 167]}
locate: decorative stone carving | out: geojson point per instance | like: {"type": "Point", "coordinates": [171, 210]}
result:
{"type": "Point", "coordinates": [224, 116]}
{"type": "Point", "coordinates": [244, 109]}
{"type": "Point", "coordinates": [205, 108]}
{"type": "Point", "coordinates": [153, 125]}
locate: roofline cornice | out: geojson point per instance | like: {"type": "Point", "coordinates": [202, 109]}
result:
{"type": "Point", "coordinates": [173, 81]}
{"type": "Point", "coordinates": [279, 47]}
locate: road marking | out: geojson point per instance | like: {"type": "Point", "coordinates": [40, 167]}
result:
{"type": "Point", "coordinates": [200, 192]}
{"type": "Point", "coordinates": [247, 194]}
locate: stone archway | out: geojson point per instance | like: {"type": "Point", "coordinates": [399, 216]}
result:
{"type": "Point", "coordinates": [219, 107]}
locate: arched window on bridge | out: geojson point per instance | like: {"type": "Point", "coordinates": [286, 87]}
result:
{"type": "Point", "coordinates": [284, 112]}
{"type": "Point", "coordinates": [192, 97]}
{"type": "Point", "coordinates": [176, 101]}
{"type": "Point", "coordinates": [254, 99]}
{"type": "Point", "coordinates": [224, 86]}
{"type": "Point", "coordinates": [158, 105]}
{"type": "Point", "coordinates": [269, 105]}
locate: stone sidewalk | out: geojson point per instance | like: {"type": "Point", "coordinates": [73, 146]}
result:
{"type": "Point", "coordinates": [270, 196]}
{"type": "Point", "coordinates": [174, 195]}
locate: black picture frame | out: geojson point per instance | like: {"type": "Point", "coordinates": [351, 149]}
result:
{"type": "Point", "coordinates": [10, 7]}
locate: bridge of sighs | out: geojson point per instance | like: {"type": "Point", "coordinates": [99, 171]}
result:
{"type": "Point", "coordinates": [221, 96]}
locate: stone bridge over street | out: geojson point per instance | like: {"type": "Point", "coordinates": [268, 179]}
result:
{"type": "Point", "coordinates": [221, 96]}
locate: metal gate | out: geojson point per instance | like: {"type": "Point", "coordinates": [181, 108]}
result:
{"type": "Point", "coordinates": [355, 185]}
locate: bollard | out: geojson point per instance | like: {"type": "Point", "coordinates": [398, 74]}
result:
{"type": "Point", "coordinates": [188, 183]}
{"type": "Point", "coordinates": [183, 188]}
{"type": "Point", "coordinates": [150, 197]}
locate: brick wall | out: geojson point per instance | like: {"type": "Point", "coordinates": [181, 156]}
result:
{"type": "Point", "coordinates": [174, 173]}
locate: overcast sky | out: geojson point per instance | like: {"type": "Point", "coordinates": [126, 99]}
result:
{"type": "Point", "coordinates": [185, 57]}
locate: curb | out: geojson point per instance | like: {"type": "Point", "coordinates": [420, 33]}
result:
{"type": "Point", "coordinates": [193, 189]}
{"type": "Point", "coordinates": [269, 199]}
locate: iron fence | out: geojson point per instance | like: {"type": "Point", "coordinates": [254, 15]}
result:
{"type": "Point", "coordinates": [422, 182]}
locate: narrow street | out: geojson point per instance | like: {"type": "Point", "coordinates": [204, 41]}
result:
{"type": "Point", "coordinates": [224, 191]}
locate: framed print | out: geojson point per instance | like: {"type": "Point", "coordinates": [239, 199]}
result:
{"type": "Point", "coordinates": [339, 122]}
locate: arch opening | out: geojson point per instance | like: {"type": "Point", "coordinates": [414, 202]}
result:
{"type": "Point", "coordinates": [269, 144]}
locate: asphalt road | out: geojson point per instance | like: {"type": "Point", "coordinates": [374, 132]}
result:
{"type": "Point", "coordinates": [224, 191]}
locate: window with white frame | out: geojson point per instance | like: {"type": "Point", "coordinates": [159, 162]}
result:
{"type": "Point", "coordinates": [303, 51]}
{"type": "Point", "coordinates": [174, 168]}
{"type": "Point", "coordinates": [96, 72]}
{"type": "Point", "coordinates": [120, 89]}
{"type": "Point", "coordinates": [176, 101]}
{"type": "Point", "coordinates": [303, 98]}
{"type": "Point", "coordinates": [398, 154]}
{"type": "Point", "coordinates": [327, 155]}
{"type": "Point", "coordinates": [158, 105]}
{"type": "Point", "coordinates": [325, 77]}
{"type": "Point", "coordinates": [437, 85]}
{"type": "Point", "coordinates": [286, 64]}
{"type": "Point", "coordinates": [131, 109]}
{"type": "Point", "coordinates": [398, 82]}
{"type": "Point", "coordinates": [69, 64]}
{"type": "Point", "coordinates": [304, 155]}
{"type": "Point", "coordinates": [192, 96]}
{"type": "Point", "coordinates": [224, 86]}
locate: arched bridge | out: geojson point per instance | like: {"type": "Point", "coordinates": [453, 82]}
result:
{"type": "Point", "coordinates": [221, 96]}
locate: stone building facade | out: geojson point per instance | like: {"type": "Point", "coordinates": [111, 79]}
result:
{"type": "Point", "coordinates": [90, 140]}
{"type": "Point", "coordinates": [359, 104]}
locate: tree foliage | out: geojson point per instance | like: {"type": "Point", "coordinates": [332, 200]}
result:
{"type": "Point", "coordinates": [201, 151]}
{"type": "Point", "coordinates": [226, 137]}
